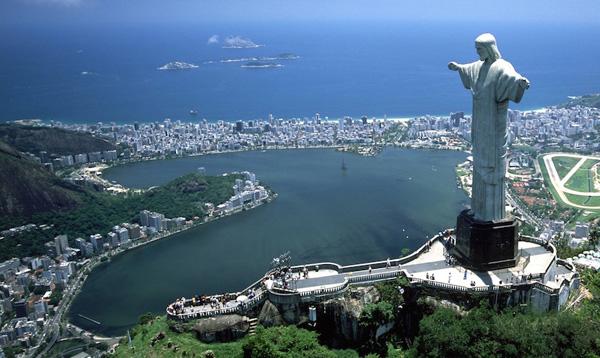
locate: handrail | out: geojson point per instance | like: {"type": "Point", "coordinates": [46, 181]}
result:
{"type": "Point", "coordinates": [351, 277]}
{"type": "Point", "coordinates": [321, 265]}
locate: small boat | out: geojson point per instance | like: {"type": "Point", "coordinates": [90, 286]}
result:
{"type": "Point", "coordinates": [193, 112]}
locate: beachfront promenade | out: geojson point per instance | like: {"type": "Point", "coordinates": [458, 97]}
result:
{"type": "Point", "coordinates": [431, 266]}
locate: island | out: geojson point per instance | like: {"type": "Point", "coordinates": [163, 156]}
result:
{"type": "Point", "coordinates": [283, 56]}
{"type": "Point", "coordinates": [261, 64]}
{"type": "Point", "coordinates": [287, 56]}
{"type": "Point", "coordinates": [237, 42]}
{"type": "Point", "coordinates": [177, 65]}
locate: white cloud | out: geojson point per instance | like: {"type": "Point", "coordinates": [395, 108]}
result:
{"type": "Point", "coordinates": [214, 39]}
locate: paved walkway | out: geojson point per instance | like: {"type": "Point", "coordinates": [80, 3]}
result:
{"type": "Point", "coordinates": [432, 265]}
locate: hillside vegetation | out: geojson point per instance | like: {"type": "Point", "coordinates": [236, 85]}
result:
{"type": "Point", "coordinates": [57, 141]}
{"type": "Point", "coordinates": [589, 100]}
{"type": "Point", "coordinates": [26, 188]}
{"type": "Point", "coordinates": [441, 332]}
{"type": "Point", "coordinates": [99, 212]}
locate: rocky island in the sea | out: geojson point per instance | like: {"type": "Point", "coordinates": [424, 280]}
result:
{"type": "Point", "coordinates": [239, 42]}
{"type": "Point", "coordinates": [261, 64]}
{"type": "Point", "coordinates": [177, 65]}
{"type": "Point", "coordinates": [287, 56]}
{"type": "Point", "coordinates": [283, 56]}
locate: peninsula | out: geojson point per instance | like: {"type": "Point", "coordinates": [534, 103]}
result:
{"type": "Point", "coordinates": [131, 219]}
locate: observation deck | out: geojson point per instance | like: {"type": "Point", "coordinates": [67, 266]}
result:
{"type": "Point", "coordinates": [547, 280]}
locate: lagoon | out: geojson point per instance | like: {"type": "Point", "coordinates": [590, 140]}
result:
{"type": "Point", "coordinates": [371, 211]}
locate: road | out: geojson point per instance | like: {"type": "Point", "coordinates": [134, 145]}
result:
{"type": "Point", "coordinates": [52, 329]}
{"type": "Point", "coordinates": [527, 215]}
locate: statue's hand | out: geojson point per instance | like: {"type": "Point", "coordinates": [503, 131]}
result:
{"type": "Point", "coordinates": [524, 83]}
{"type": "Point", "coordinates": [453, 66]}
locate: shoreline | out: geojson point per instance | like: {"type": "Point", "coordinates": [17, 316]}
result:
{"type": "Point", "coordinates": [272, 196]}
{"type": "Point", "coordinates": [97, 261]}
{"type": "Point", "coordinates": [188, 119]}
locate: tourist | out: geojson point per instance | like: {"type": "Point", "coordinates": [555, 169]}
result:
{"type": "Point", "coordinates": [370, 269]}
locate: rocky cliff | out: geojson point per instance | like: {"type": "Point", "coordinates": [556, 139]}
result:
{"type": "Point", "coordinates": [221, 328]}
{"type": "Point", "coordinates": [338, 318]}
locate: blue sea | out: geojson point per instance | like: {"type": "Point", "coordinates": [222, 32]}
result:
{"type": "Point", "coordinates": [109, 73]}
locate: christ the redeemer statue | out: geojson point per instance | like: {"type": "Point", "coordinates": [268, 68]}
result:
{"type": "Point", "coordinates": [493, 82]}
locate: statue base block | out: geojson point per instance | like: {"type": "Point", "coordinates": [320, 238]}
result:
{"type": "Point", "coordinates": [486, 245]}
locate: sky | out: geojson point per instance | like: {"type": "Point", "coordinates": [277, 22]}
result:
{"type": "Point", "coordinates": [26, 12]}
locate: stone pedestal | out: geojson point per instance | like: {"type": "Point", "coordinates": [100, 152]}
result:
{"type": "Point", "coordinates": [485, 245]}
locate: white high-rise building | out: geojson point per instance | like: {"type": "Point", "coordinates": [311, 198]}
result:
{"type": "Point", "coordinates": [123, 234]}
{"type": "Point", "coordinates": [61, 242]}
{"type": "Point", "coordinates": [113, 239]}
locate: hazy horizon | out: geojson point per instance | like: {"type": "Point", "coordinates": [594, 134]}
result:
{"type": "Point", "coordinates": [13, 12]}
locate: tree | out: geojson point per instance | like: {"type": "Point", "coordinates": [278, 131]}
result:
{"type": "Point", "coordinates": [594, 237]}
{"type": "Point", "coordinates": [285, 341]}
{"type": "Point", "coordinates": [146, 318]}
{"type": "Point", "coordinates": [56, 296]}
{"type": "Point", "coordinates": [441, 336]}
{"type": "Point", "coordinates": [390, 291]}
{"type": "Point", "coordinates": [483, 332]}
{"type": "Point", "coordinates": [375, 314]}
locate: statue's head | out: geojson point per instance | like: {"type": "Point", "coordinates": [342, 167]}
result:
{"type": "Point", "coordinates": [485, 44]}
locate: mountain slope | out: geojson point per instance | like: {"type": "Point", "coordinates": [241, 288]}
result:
{"type": "Point", "coordinates": [27, 188]}
{"type": "Point", "coordinates": [58, 141]}
{"type": "Point", "coordinates": [589, 100]}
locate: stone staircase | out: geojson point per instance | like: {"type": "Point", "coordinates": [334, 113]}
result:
{"type": "Point", "coordinates": [253, 323]}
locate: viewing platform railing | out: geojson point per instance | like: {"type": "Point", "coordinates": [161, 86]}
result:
{"type": "Point", "coordinates": [354, 275]}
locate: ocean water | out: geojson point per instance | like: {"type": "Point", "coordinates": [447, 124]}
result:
{"type": "Point", "coordinates": [371, 211]}
{"type": "Point", "coordinates": [354, 68]}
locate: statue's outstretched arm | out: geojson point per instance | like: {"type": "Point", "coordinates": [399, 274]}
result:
{"type": "Point", "coordinates": [524, 83]}
{"type": "Point", "coordinates": [453, 66]}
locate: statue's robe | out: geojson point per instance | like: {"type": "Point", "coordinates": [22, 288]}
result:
{"type": "Point", "coordinates": [492, 85]}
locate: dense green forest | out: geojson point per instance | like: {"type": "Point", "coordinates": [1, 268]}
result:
{"type": "Point", "coordinates": [99, 212]}
{"type": "Point", "coordinates": [441, 332]}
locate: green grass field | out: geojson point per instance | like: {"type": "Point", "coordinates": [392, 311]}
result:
{"type": "Point", "coordinates": [575, 199]}
{"type": "Point", "coordinates": [548, 183]}
{"type": "Point", "coordinates": [185, 342]}
{"type": "Point", "coordinates": [564, 164]}
{"type": "Point", "coordinates": [584, 200]}
{"type": "Point", "coordinates": [585, 216]}
{"type": "Point", "coordinates": [582, 179]}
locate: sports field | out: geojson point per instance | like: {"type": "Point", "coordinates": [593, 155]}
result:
{"type": "Point", "coordinates": [573, 179]}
